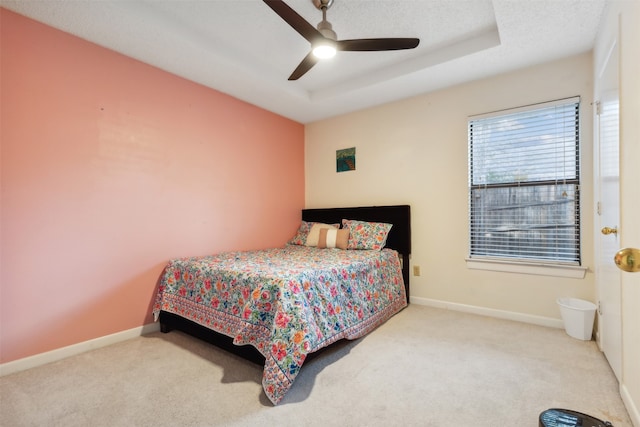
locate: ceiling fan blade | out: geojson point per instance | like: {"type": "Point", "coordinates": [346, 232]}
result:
{"type": "Point", "coordinates": [296, 21]}
{"type": "Point", "coordinates": [377, 44]}
{"type": "Point", "coordinates": [307, 63]}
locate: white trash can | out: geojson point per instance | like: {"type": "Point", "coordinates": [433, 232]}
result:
{"type": "Point", "coordinates": [578, 316]}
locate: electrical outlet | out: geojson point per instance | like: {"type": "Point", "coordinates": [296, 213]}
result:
{"type": "Point", "coordinates": [416, 270]}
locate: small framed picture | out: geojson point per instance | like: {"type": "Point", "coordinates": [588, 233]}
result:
{"type": "Point", "coordinates": [346, 159]}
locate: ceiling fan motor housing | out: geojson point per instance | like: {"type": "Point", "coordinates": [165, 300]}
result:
{"type": "Point", "coordinates": [326, 30]}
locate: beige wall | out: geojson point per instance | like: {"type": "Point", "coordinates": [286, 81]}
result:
{"type": "Point", "coordinates": [415, 152]}
{"type": "Point", "coordinates": [630, 151]}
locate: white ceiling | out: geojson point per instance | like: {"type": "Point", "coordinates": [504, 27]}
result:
{"type": "Point", "coordinates": [242, 48]}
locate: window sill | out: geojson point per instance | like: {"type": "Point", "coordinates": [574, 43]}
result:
{"type": "Point", "coordinates": [568, 271]}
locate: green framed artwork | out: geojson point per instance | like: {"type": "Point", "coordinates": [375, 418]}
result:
{"type": "Point", "coordinates": [346, 159]}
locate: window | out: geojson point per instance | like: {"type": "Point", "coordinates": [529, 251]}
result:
{"type": "Point", "coordinates": [524, 184]}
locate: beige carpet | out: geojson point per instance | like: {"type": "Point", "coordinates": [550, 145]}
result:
{"type": "Point", "coordinates": [424, 367]}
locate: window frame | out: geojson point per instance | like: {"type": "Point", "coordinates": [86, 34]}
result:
{"type": "Point", "coordinates": [529, 265]}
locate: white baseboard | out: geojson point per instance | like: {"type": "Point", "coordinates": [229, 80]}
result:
{"type": "Point", "coordinates": [64, 352]}
{"type": "Point", "coordinates": [490, 312]}
{"type": "Point", "coordinates": [632, 408]}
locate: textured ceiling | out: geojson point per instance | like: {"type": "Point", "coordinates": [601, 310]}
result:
{"type": "Point", "coordinates": [241, 47]}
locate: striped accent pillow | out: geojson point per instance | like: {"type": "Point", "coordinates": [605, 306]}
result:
{"type": "Point", "coordinates": [333, 238]}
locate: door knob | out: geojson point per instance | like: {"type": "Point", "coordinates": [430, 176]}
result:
{"type": "Point", "coordinates": [628, 259]}
{"type": "Point", "coordinates": [608, 230]}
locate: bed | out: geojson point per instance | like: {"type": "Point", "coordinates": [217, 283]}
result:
{"type": "Point", "coordinates": [278, 306]}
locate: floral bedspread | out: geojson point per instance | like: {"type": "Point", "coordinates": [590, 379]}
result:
{"type": "Point", "coordinates": [286, 302]}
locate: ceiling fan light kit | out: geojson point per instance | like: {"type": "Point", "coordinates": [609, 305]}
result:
{"type": "Point", "coordinates": [324, 41]}
{"type": "Point", "coordinates": [324, 51]}
{"type": "Point", "coordinates": [325, 48]}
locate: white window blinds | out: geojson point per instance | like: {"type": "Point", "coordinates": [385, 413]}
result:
{"type": "Point", "coordinates": [524, 186]}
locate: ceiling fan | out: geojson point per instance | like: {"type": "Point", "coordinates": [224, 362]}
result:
{"type": "Point", "coordinates": [324, 41]}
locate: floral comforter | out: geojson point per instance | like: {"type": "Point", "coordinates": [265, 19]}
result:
{"type": "Point", "coordinates": [286, 302]}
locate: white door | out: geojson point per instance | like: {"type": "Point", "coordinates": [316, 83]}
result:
{"type": "Point", "coordinates": [608, 190]}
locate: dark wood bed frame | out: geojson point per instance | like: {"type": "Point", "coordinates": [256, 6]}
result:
{"type": "Point", "coordinates": [399, 238]}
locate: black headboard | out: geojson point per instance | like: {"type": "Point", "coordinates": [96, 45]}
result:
{"type": "Point", "coordinates": [399, 236]}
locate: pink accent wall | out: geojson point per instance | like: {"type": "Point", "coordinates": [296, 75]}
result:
{"type": "Point", "coordinates": [109, 168]}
